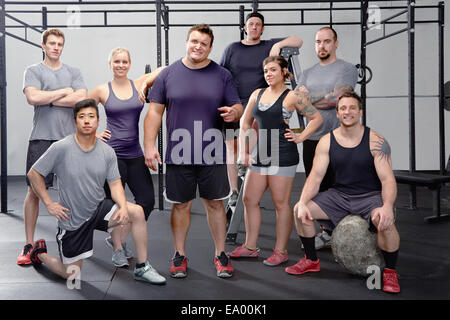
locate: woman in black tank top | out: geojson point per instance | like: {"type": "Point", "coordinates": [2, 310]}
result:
{"type": "Point", "coordinates": [276, 158]}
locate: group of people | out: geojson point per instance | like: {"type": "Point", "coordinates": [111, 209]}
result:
{"type": "Point", "coordinates": [217, 115]}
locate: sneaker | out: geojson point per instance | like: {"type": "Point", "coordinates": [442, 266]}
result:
{"type": "Point", "coordinates": [128, 252]}
{"type": "Point", "coordinates": [243, 252]}
{"type": "Point", "coordinates": [119, 259]}
{"type": "Point", "coordinates": [223, 266]}
{"type": "Point", "coordinates": [39, 247]}
{"type": "Point", "coordinates": [178, 266]}
{"type": "Point", "coordinates": [149, 274]}
{"type": "Point", "coordinates": [276, 258]}
{"type": "Point", "coordinates": [304, 265]}
{"type": "Point", "coordinates": [233, 199]}
{"type": "Point", "coordinates": [322, 241]}
{"type": "Point", "coordinates": [390, 281]}
{"type": "Point", "coordinates": [24, 257]}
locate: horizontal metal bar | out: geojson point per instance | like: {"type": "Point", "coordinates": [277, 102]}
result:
{"type": "Point", "coordinates": [224, 25]}
{"type": "Point", "coordinates": [387, 36]}
{"type": "Point", "coordinates": [406, 96]}
{"type": "Point", "coordinates": [200, 2]}
{"type": "Point", "coordinates": [23, 39]}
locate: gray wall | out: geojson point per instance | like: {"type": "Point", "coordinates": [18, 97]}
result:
{"type": "Point", "coordinates": [88, 49]}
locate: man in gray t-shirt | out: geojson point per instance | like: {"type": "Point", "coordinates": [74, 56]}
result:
{"type": "Point", "coordinates": [83, 164]}
{"type": "Point", "coordinates": [325, 82]}
{"type": "Point", "coordinates": [53, 88]}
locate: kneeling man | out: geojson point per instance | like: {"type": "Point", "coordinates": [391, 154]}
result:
{"type": "Point", "coordinates": [82, 164]}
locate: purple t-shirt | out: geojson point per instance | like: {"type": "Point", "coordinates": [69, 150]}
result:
{"type": "Point", "coordinates": [194, 125]}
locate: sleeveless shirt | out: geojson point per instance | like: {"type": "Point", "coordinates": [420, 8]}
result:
{"type": "Point", "coordinates": [354, 167]}
{"type": "Point", "coordinates": [273, 149]}
{"type": "Point", "coordinates": [123, 122]}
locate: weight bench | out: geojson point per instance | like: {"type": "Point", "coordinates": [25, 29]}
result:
{"type": "Point", "coordinates": [433, 182]}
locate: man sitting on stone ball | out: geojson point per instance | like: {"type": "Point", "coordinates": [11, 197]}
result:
{"type": "Point", "coordinates": [364, 185]}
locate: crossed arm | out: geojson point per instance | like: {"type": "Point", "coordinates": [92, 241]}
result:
{"type": "Point", "coordinates": [65, 97]}
{"type": "Point", "coordinates": [325, 100]}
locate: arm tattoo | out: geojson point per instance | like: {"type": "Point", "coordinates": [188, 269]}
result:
{"type": "Point", "coordinates": [305, 104]}
{"type": "Point", "coordinates": [382, 149]}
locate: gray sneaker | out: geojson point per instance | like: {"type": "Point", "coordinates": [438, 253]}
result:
{"type": "Point", "coordinates": [119, 259]}
{"type": "Point", "coordinates": [233, 198]}
{"type": "Point", "coordinates": [128, 252]}
{"type": "Point", "coordinates": [322, 240]}
{"type": "Point", "coordinates": [148, 274]}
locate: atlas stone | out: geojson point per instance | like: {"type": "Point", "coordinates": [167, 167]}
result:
{"type": "Point", "coordinates": [354, 247]}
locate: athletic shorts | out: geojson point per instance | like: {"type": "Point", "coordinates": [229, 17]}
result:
{"type": "Point", "coordinates": [36, 148]}
{"type": "Point", "coordinates": [78, 244]}
{"type": "Point", "coordinates": [182, 182]}
{"type": "Point", "coordinates": [337, 205]}
{"type": "Point", "coordinates": [288, 172]}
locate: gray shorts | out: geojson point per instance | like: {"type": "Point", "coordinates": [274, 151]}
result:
{"type": "Point", "coordinates": [288, 172]}
{"type": "Point", "coordinates": [36, 149]}
{"type": "Point", "coordinates": [337, 205]}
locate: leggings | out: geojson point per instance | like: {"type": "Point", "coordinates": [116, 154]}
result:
{"type": "Point", "coordinates": [136, 175]}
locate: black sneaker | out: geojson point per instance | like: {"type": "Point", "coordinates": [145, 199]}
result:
{"type": "Point", "coordinates": [178, 266]}
{"type": "Point", "coordinates": [39, 247]}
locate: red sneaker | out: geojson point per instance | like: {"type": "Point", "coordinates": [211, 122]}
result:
{"type": "Point", "coordinates": [243, 252]}
{"type": "Point", "coordinates": [223, 266]}
{"type": "Point", "coordinates": [276, 258]}
{"type": "Point", "coordinates": [178, 266]}
{"type": "Point", "coordinates": [24, 257]}
{"type": "Point", "coordinates": [303, 266]}
{"type": "Point", "coordinates": [390, 281]}
{"type": "Point", "coordinates": [39, 247]}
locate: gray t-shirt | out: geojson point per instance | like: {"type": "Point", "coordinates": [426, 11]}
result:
{"type": "Point", "coordinates": [81, 176]}
{"type": "Point", "coordinates": [51, 122]}
{"type": "Point", "coordinates": [326, 79]}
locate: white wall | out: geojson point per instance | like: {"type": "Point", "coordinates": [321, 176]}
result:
{"type": "Point", "coordinates": [88, 49]}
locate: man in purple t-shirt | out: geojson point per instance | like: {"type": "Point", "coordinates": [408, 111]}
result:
{"type": "Point", "coordinates": [199, 96]}
{"type": "Point", "coordinates": [244, 60]}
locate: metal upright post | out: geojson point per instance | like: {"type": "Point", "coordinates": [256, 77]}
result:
{"type": "Point", "coordinates": [441, 89]}
{"type": "Point", "coordinates": [3, 131]}
{"type": "Point", "coordinates": [363, 62]}
{"type": "Point", "coordinates": [44, 24]}
{"type": "Point", "coordinates": [160, 134]}
{"type": "Point", "coordinates": [242, 21]}
{"type": "Point", "coordinates": [411, 98]}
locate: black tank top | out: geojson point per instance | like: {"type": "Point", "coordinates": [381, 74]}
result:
{"type": "Point", "coordinates": [354, 168]}
{"type": "Point", "coordinates": [273, 148]}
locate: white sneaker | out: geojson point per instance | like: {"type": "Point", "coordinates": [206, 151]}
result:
{"type": "Point", "coordinates": [148, 274]}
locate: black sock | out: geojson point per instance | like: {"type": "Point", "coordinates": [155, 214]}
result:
{"type": "Point", "coordinates": [390, 258]}
{"type": "Point", "coordinates": [310, 247]}
{"type": "Point", "coordinates": [223, 259]}
{"type": "Point", "coordinates": [140, 265]}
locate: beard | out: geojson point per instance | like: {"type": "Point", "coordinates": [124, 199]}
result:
{"type": "Point", "coordinates": [323, 57]}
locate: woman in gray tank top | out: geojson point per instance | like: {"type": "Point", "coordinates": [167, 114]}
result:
{"type": "Point", "coordinates": [276, 159]}
{"type": "Point", "coordinates": [123, 100]}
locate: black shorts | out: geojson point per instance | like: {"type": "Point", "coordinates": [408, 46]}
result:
{"type": "Point", "coordinates": [36, 148]}
{"type": "Point", "coordinates": [182, 182]}
{"type": "Point", "coordinates": [78, 244]}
